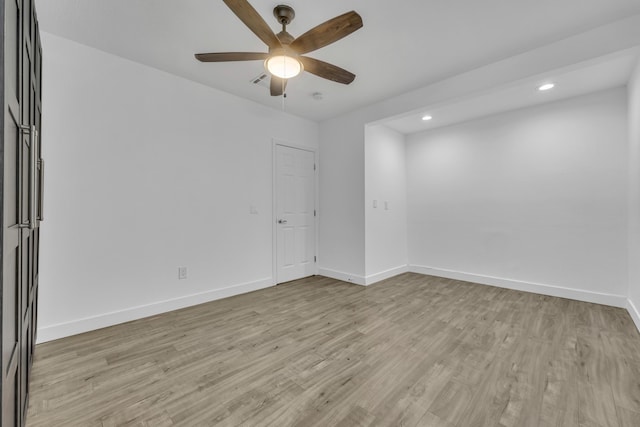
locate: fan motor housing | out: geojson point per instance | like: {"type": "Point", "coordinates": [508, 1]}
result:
{"type": "Point", "coordinates": [285, 38]}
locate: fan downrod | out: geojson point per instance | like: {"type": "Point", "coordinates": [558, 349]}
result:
{"type": "Point", "coordinates": [284, 14]}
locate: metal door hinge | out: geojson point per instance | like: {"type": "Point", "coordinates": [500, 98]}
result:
{"type": "Point", "coordinates": [314, 212]}
{"type": "Point", "coordinates": [315, 259]}
{"type": "Point", "coordinates": [314, 166]}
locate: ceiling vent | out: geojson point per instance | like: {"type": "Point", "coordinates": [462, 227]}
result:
{"type": "Point", "coordinates": [261, 80]}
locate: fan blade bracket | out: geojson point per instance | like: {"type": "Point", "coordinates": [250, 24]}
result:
{"type": "Point", "coordinates": [277, 86]}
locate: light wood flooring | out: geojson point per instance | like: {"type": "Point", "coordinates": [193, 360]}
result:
{"type": "Point", "coordinates": [410, 351]}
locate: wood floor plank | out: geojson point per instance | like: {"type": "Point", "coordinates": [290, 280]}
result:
{"type": "Point", "coordinates": [452, 401]}
{"type": "Point", "coordinates": [409, 351]}
{"type": "Point", "coordinates": [628, 418]}
{"type": "Point", "coordinates": [595, 377]}
{"type": "Point", "coordinates": [560, 404]}
{"type": "Point", "coordinates": [431, 420]}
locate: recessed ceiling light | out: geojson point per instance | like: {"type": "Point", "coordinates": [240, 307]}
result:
{"type": "Point", "coordinates": [426, 118]}
{"type": "Point", "coordinates": [546, 86]}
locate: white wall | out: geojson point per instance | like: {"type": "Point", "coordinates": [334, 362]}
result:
{"type": "Point", "coordinates": [385, 223]}
{"type": "Point", "coordinates": [341, 221]}
{"type": "Point", "coordinates": [342, 204]}
{"type": "Point", "coordinates": [147, 172]}
{"type": "Point", "coordinates": [106, 117]}
{"type": "Point", "coordinates": [634, 196]}
{"type": "Point", "coordinates": [532, 199]}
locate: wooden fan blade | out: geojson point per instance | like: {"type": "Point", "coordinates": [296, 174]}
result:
{"type": "Point", "coordinates": [326, 70]}
{"type": "Point", "coordinates": [231, 56]}
{"type": "Point", "coordinates": [327, 33]}
{"type": "Point", "coordinates": [254, 21]}
{"type": "Point", "coordinates": [277, 86]}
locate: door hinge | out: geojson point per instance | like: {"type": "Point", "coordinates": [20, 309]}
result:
{"type": "Point", "coordinates": [314, 212]}
{"type": "Point", "coordinates": [315, 259]}
{"type": "Point", "coordinates": [314, 166]}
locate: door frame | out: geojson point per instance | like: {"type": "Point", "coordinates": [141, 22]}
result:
{"type": "Point", "coordinates": [274, 193]}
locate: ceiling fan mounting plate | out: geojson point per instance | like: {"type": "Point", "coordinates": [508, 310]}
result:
{"type": "Point", "coordinates": [284, 14]}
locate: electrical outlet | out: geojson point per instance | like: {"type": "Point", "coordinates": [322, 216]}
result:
{"type": "Point", "coordinates": [182, 273]}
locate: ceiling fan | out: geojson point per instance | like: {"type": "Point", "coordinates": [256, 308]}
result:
{"type": "Point", "coordinates": [285, 58]}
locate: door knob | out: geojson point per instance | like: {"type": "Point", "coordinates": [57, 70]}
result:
{"type": "Point", "coordinates": [282, 221]}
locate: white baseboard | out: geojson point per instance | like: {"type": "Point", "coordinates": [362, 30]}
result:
{"type": "Point", "coordinates": [363, 280]}
{"type": "Point", "coordinates": [538, 288]}
{"type": "Point", "coordinates": [340, 275]}
{"type": "Point", "coordinates": [374, 278]}
{"type": "Point", "coordinates": [61, 330]}
{"type": "Point", "coordinates": [634, 313]}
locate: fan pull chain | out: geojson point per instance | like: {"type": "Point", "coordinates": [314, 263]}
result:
{"type": "Point", "coordinates": [284, 96]}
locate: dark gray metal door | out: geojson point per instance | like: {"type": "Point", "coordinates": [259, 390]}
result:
{"type": "Point", "coordinates": [21, 182]}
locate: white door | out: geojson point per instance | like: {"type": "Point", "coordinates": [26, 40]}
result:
{"type": "Point", "coordinates": [295, 213]}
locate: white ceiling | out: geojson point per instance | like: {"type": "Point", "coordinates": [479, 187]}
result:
{"type": "Point", "coordinates": [599, 74]}
{"type": "Point", "coordinates": [403, 45]}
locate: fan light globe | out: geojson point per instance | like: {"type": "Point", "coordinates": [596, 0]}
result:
{"type": "Point", "coordinates": [283, 66]}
